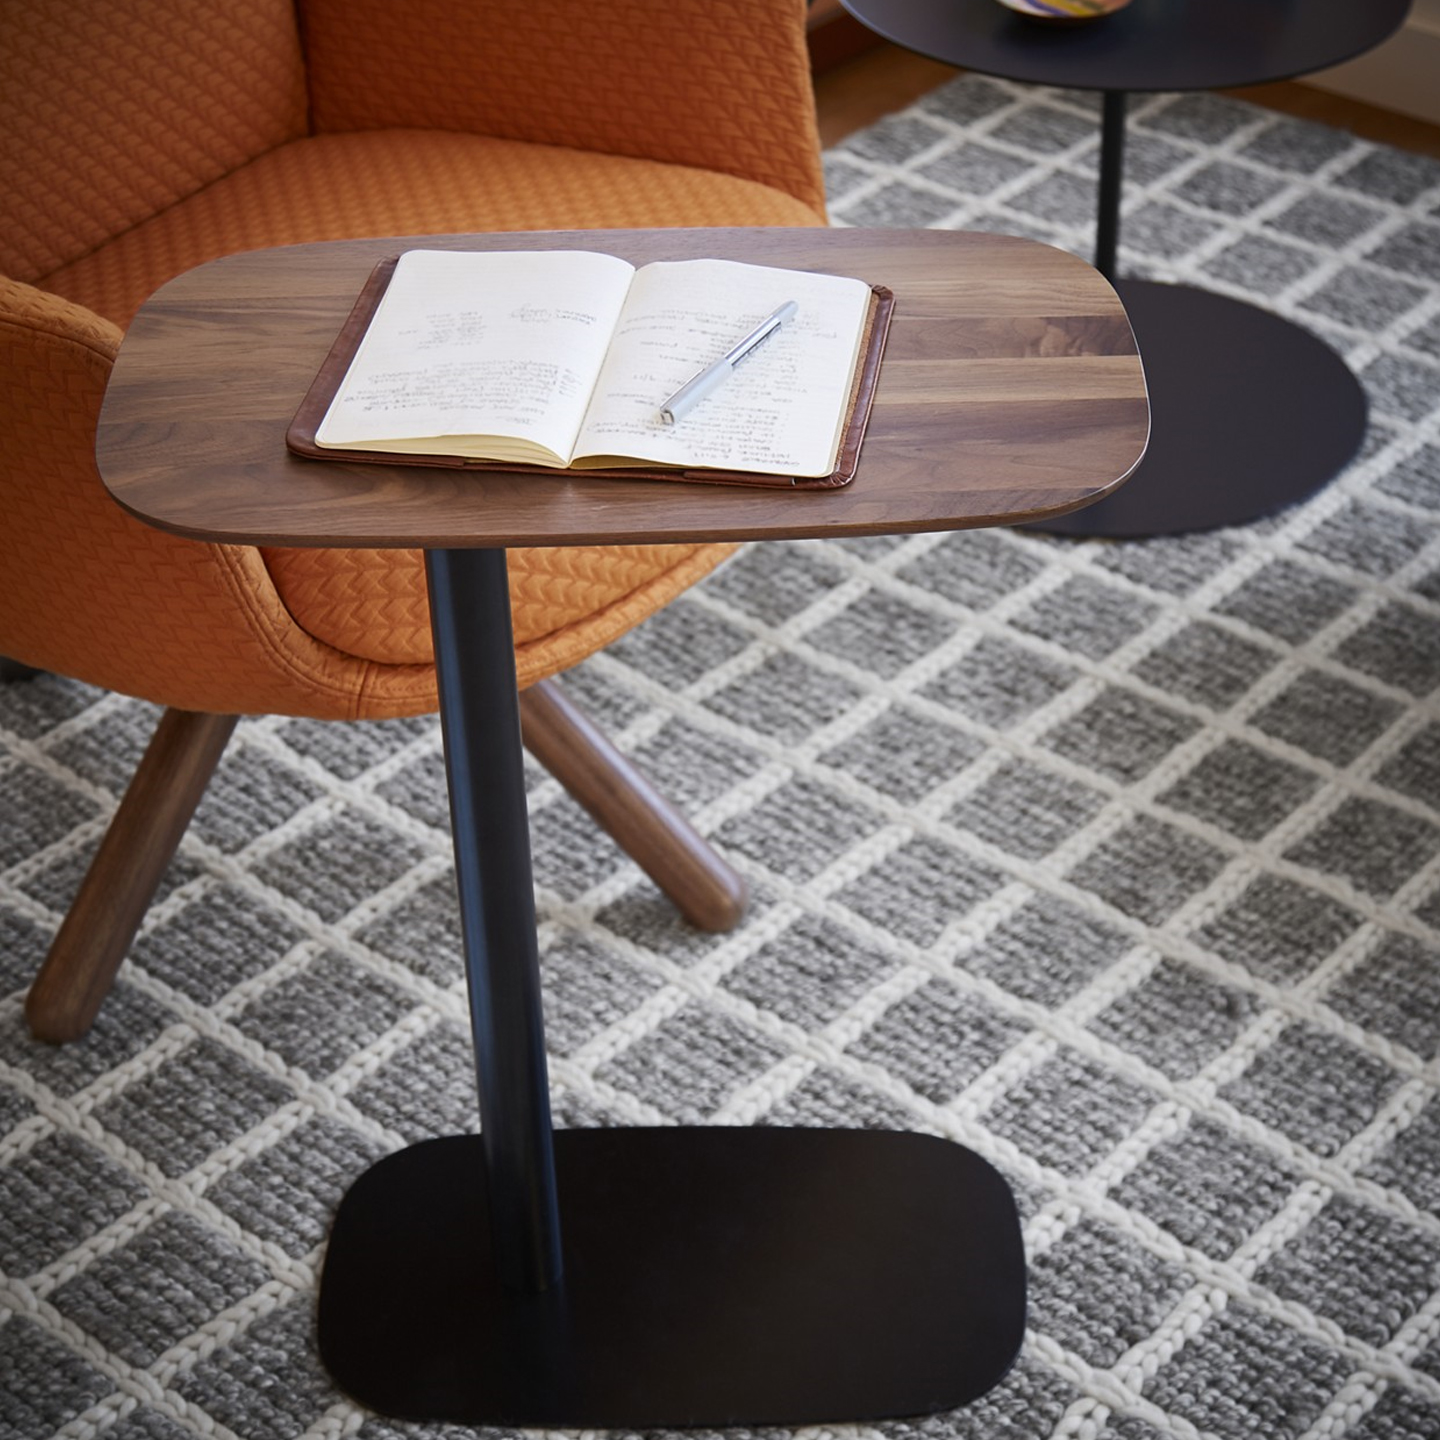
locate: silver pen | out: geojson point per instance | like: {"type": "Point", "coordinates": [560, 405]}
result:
{"type": "Point", "coordinates": [693, 391]}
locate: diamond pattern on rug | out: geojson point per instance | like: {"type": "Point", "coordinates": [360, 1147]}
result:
{"type": "Point", "coordinates": [1117, 862]}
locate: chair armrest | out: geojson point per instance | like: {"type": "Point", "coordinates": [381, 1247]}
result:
{"type": "Point", "coordinates": [723, 86]}
{"type": "Point", "coordinates": [45, 330]}
{"type": "Point", "coordinates": [92, 593]}
{"type": "Point", "coordinates": [55, 516]}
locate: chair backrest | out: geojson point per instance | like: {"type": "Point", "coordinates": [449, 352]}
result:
{"type": "Point", "coordinates": [112, 111]}
{"type": "Point", "coordinates": [721, 85]}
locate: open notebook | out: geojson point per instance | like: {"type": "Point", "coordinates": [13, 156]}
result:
{"type": "Point", "coordinates": [560, 359]}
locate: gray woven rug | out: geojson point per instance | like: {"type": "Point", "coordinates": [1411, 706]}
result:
{"type": "Point", "coordinates": [1119, 863]}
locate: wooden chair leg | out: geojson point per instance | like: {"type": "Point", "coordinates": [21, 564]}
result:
{"type": "Point", "coordinates": [706, 891]}
{"type": "Point", "coordinates": [125, 873]}
{"type": "Point", "coordinates": [182, 755]}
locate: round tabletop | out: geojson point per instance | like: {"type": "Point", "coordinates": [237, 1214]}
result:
{"type": "Point", "coordinates": [1149, 45]}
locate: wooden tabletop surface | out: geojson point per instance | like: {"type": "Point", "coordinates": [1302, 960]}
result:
{"type": "Point", "coordinates": [1010, 390]}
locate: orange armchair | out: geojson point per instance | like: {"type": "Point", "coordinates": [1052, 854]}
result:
{"type": "Point", "coordinates": [143, 139]}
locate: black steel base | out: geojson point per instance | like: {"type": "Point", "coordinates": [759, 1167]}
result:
{"type": "Point", "coordinates": [1248, 414]}
{"type": "Point", "coordinates": [713, 1277]}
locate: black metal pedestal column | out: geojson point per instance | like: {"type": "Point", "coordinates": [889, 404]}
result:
{"type": "Point", "coordinates": [1112, 178]}
{"type": "Point", "coordinates": [704, 1277]}
{"type": "Point", "coordinates": [1248, 412]}
{"type": "Point", "coordinates": [480, 723]}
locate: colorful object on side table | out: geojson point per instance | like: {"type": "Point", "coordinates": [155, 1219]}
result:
{"type": "Point", "coordinates": [1065, 9]}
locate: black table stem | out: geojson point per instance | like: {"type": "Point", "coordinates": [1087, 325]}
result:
{"type": "Point", "coordinates": [480, 720]}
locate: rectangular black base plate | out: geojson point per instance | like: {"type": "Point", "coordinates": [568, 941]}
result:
{"type": "Point", "coordinates": [713, 1277]}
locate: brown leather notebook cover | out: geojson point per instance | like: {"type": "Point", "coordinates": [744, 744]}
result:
{"type": "Point", "coordinates": [300, 437]}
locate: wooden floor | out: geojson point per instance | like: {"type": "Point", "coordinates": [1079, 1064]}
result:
{"type": "Point", "coordinates": [859, 91]}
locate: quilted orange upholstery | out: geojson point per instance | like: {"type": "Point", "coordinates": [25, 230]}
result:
{"type": "Point", "coordinates": [565, 604]}
{"type": "Point", "coordinates": [112, 110]}
{"type": "Point", "coordinates": [410, 182]}
{"type": "Point", "coordinates": [94, 594]}
{"type": "Point", "coordinates": [722, 86]}
{"type": "Point", "coordinates": [90, 592]}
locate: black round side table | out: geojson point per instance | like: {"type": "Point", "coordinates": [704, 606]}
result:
{"type": "Point", "coordinates": [1232, 439]}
